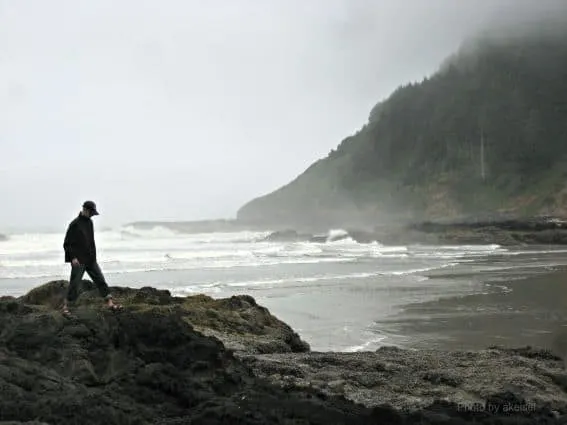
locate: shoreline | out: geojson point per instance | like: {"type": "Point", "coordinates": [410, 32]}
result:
{"type": "Point", "coordinates": [513, 312]}
{"type": "Point", "coordinates": [360, 316]}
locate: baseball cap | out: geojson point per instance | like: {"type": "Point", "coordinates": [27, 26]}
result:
{"type": "Point", "coordinates": [91, 206]}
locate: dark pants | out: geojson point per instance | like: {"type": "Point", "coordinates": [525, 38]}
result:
{"type": "Point", "coordinates": [77, 273]}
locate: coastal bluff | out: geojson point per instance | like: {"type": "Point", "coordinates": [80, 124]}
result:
{"type": "Point", "coordinates": [198, 360]}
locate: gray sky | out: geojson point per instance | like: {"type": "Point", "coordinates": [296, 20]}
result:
{"type": "Point", "coordinates": [186, 109]}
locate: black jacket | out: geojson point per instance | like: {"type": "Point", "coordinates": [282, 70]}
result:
{"type": "Point", "coordinates": [79, 241]}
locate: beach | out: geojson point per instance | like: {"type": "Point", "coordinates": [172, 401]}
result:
{"type": "Point", "coordinates": [513, 312]}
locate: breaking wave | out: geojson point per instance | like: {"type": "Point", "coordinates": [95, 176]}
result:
{"type": "Point", "coordinates": [130, 249]}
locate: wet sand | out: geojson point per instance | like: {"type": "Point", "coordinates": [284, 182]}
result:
{"type": "Point", "coordinates": [518, 312]}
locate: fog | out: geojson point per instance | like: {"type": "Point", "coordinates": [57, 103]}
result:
{"type": "Point", "coordinates": [186, 109]}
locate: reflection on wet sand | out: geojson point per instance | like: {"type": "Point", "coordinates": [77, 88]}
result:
{"type": "Point", "coordinates": [519, 312]}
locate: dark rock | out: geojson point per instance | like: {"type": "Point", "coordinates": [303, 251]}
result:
{"type": "Point", "coordinates": [559, 379]}
{"type": "Point", "coordinates": [517, 381]}
{"type": "Point", "coordinates": [139, 367]}
{"type": "Point", "coordinates": [3, 237]}
{"type": "Point", "coordinates": [287, 236]}
{"type": "Point", "coordinates": [238, 321]}
{"type": "Point", "coordinates": [50, 294]}
{"type": "Point", "coordinates": [22, 423]}
{"type": "Point", "coordinates": [441, 378]}
{"type": "Point", "coordinates": [535, 230]}
{"type": "Point", "coordinates": [150, 364]}
{"type": "Point", "coordinates": [7, 298]}
{"type": "Point", "coordinates": [318, 239]}
{"type": "Point", "coordinates": [361, 236]}
{"type": "Point", "coordinates": [529, 352]}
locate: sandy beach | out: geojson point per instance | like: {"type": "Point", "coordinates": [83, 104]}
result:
{"type": "Point", "coordinates": [512, 312]}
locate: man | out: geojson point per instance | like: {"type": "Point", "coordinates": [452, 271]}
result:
{"type": "Point", "coordinates": [80, 251]}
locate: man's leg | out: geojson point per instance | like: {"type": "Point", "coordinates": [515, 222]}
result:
{"type": "Point", "coordinates": [96, 275]}
{"type": "Point", "coordinates": [77, 273]}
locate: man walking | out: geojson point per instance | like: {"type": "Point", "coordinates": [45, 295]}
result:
{"type": "Point", "coordinates": [80, 251]}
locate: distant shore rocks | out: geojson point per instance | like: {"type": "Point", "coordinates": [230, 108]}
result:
{"type": "Point", "coordinates": [3, 237]}
{"type": "Point", "coordinates": [504, 232]}
{"type": "Point", "coordinates": [290, 235]}
{"type": "Point", "coordinates": [521, 231]}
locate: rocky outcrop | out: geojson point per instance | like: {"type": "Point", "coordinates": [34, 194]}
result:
{"type": "Point", "coordinates": [239, 322]}
{"type": "Point", "coordinates": [530, 224]}
{"type": "Point", "coordinates": [287, 235]}
{"type": "Point", "coordinates": [503, 231]}
{"type": "Point", "coordinates": [533, 381]}
{"type": "Point", "coordinates": [148, 364]}
{"type": "Point", "coordinates": [138, 366]}
{"type": "Point", "coordinates": [536, 230]}
{"type": "Point", "coordinates": [3, 237]}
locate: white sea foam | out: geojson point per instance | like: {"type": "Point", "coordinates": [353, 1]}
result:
{"type": "Point", "coordinates": [130, 249]}
{"type": "Point", "coordinates": [336, 233]}
{"type": "Point", "coordinates": [372, 343]}
{"type": "Point", "coordinates": [291, 281]}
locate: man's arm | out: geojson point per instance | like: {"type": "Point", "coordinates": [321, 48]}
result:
{"type": "Point", "coordinates": [70, 241]}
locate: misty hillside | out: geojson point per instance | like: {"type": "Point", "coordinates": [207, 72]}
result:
{"type": "Point", "coordinates": [486, 134]}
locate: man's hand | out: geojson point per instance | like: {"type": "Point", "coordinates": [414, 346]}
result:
{"type": "Point", "coordinates": [75, 262]}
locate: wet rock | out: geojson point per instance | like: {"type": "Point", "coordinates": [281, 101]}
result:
{"type": "Point", "coordinates": [441, 378]}
{"type": "Point", "coordinates": [288, 235]}
{"type": "Point", "coordinates": [50, 294]}
{"type": "Point", "coordinates": [150, 364]}
{"type": "Point", "coordinates": [22, 423]}
{"type": "Point", "coordinates": [361, 236]}
{"type": "Point", "coordinates": [238, 321]}
{"type": "Point", "coordinates": [318, 239]}
{"type": "Point", "coordinates": [524, 379]}
{"type": "Point", "coordinates": [510, 231]}
{"type": "Point", "coordinates": [138, 366]}
{"type": "Point", "coordinates": [529, 352]}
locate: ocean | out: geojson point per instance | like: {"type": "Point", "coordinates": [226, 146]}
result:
{"type": "Point", "coordinates": [338, 295]}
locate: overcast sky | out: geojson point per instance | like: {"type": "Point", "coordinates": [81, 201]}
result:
{"type": "Point", "coordinates": [186, 109]}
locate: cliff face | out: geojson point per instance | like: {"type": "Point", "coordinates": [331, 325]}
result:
{"type": "Point", "coordinates": [486, 134]}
